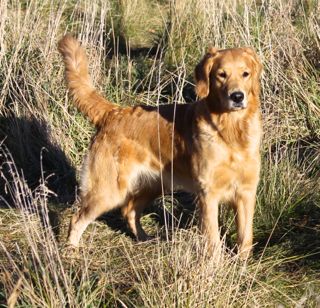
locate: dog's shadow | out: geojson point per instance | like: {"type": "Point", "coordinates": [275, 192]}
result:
{"type": "Point", "coordinates": [296, 238]}
{"type": "Point", "coordinates": [34, 153]}
{"type": "Point", "coordinates": [29, 154]}
{"type": "Point", "coordinates": [170, 212]}
{"type": "Point", "coordinates": [297, 232]}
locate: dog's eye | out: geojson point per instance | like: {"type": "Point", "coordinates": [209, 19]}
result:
{"type": "Point", "coordinates": [222, 75]}
{"type": "Point", "coordinates": [245, 74]}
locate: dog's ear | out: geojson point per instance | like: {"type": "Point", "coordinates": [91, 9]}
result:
{"type": "Point", "coordinates": [257, 69]}
{"type": "Point", "coordinates": [258, 66]}
{"type": "Point", "coordinates": [202, 73]}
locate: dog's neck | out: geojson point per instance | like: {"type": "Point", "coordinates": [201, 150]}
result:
{"type": "Point", "coordinates": [234, 127]}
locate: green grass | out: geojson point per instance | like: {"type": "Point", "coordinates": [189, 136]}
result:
{"type": "Point", "coordinates": [145, 52]}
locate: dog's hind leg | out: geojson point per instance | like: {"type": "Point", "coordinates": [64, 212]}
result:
{"type": "Point", "coordinates": [92, 206]}
{"type": "Point", "coordinates": [133, 211]}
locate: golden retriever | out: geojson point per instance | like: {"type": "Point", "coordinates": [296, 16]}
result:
{"type": "Point", "coordinates": [211, 145]}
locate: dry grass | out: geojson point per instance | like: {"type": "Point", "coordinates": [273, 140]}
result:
{"type": "Point", "coordinates": [145, 53]}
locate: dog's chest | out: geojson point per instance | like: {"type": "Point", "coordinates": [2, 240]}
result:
{"type": "Point", "coordinates": [226, 159]}
{"type": "Point", "coordinates": [224, 165]}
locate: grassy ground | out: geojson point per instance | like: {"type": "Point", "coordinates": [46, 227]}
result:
{"type": "Point", "coordinates": [144, 52]}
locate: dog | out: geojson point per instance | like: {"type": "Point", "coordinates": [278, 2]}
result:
{"type": "Point", "coordinates": [211, 146]}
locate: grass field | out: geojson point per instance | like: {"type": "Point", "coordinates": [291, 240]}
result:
{"type": "Point", "coordinates": [144, 52]}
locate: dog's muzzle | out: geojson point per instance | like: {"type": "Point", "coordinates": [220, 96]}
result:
{"type": "Point", "coordinates": [237, 100]}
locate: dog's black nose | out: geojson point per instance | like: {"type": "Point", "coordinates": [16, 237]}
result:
{"type": "Point", "coordinates": [237, 97]}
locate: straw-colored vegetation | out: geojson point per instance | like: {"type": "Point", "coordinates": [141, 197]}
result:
{"type": "Point", "coordinates": [144, 52]}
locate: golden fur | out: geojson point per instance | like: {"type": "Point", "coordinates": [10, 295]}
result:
{"type": "Point", "coordinates": [215, 141]}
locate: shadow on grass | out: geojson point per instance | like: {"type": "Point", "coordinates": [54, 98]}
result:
{"type": "Point", "coordinates": [144, 58]}
{"type": "Point", "coordinates": [28, 151]}
{"type": "Point", "coordinates": [297, 234]}
{"type": "Point", "coordinates": [36, 156]}
{"type": "Point", "coordinates": [181, 217]}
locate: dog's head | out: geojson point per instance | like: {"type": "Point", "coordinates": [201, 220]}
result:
{"type": "Point", "coordinates": [228, 78]}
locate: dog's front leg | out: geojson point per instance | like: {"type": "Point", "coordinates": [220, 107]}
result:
{"type": "Point", "coordinates": [244, 209]}
{"type": "Point", "coordinates": [208, 204]}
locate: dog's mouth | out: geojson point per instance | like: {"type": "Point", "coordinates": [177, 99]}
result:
{"type": "Point", "coordinates": [235, 107]}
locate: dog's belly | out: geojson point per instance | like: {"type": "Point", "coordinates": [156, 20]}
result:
{"type": "Point", "coordinates": [145, 178]}
{"type": "Point", "coordinates": [179, 182]}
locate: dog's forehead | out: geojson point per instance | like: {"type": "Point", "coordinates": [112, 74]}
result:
{"type": "Point", "coordinates": [233, 58]}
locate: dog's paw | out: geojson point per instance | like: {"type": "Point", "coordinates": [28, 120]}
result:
{"type": "Point", "coordinates": [68, 251]}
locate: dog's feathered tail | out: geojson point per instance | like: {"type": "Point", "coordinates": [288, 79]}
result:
{"type": "Point", "coordinates": [85, 97]}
